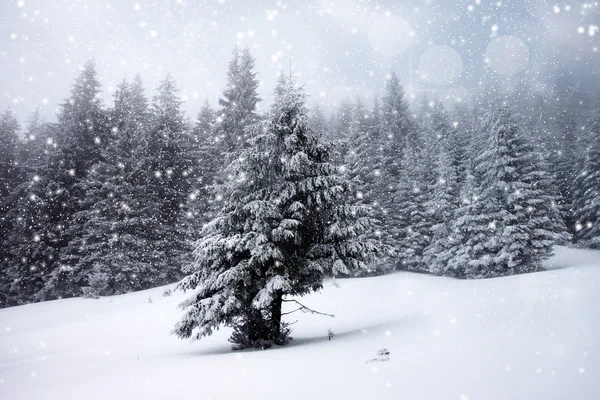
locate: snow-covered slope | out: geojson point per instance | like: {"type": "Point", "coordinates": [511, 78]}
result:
{"type": "Point", "coordinates": [524, 337]}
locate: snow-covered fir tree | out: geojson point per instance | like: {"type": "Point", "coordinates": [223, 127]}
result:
{"type": "Point", "coordinates": [340, 133]}
{"type": "Point", "coordinates": [411, 227]}
{"type": "Point", "coordinates": [9, 157]}
{"type": "Point", "coordinates": [208, 161]}
{"type": "Point", "coordinates": [396, 122]}
{"type": "Point", "coordinates": [83, 128]}
{"type": "Point", "coordinates": [461, 134]}
{"type": "Point", "coordinates": [395, 127]}
{"type": "Point", "coordinates": [504, 230]}
{"type": "Point", "coordinates": [565, 154]}
{"type": "Point", "coordinates": [164, 170]}
{"type": "Point", "coordinates": [10, 176]}
{"type": "Point", "coordinates": [362, 164]}
{"type": "Point", "coordinates": [33, 149]}
{"type": "Point", "coordinates": [239, 102]}
{"type": "Point", "coordinates": [587, 195]}
{"type": "Point", "coordinates": [318, 122]}
{"type": "Point", "coordinates": [285, 224]}
{"type": "Point", "coordinates": [356, 140]}
{"type": "Point", "coordinates": [44, 211]}
{"type": "Point", "coordinates": [115, 248]}
{"type": "Point", "coordinates": [440, 207]}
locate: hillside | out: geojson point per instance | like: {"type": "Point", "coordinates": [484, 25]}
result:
{"type": "Point", "coordinates": [524, 337]}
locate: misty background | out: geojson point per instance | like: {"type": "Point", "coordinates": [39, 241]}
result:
{"type": "Point", "coordinates": [338, 48]}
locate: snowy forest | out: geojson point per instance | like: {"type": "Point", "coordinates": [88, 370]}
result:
{"type": "Point", "coordinates": [299, 199]}
{"type": "Point", "coordinates": [251, 208]}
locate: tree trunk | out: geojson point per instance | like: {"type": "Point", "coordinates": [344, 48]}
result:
{"type": "Point", "coordinates": [276, 333]}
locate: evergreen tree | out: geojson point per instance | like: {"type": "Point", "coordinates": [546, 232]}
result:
{"type": "Point", "coordinates": [345, 117]}
{"type": "Point", "coordinates": [441, 206]}
{"type": "Point", "coordinates": [9, 161]}
{"type": "Point", "coordinates": [209, 162]}
{"type": "Point", "coordinates": [411, 227]}
{"type": "Point", "coordinates": [46, 209]}
{"type": "Point", "coordinates": [284, 225]}
{"type": "Point", "coordinates": [318, 122]}
{"type": "Point", "coordinates": [118, 248]}
{"type": "Point", "coordinates": [83, 135]}
{"type": "Point", "coordinates": [34, 150]}
{"type": "Point", "coordinates": [466, 229]}
{"type": "Point", "coordinates": [504, 229]}
{"type": "Point", "coordinates": [587, 205]}
{"type": "Point", "coordinates": [356, 140]}
{"type": "Point", "coordinates": [396, 122]}
{"type": "Point", "coordinates": [165, 168]}
{"type": "Point", "coordinates": [10, 175]}
{"type": "Point", "coordinates": [362, 166]}
{"type": "Point", "coordinates": [239, 101]}
{"type": "Point", "coordinates": [340, 134]}
{"type": "Point", "coordinates": [36, 236]}
{"type": "Point", "coordinates": [566, 152]}
{"type": "Point", "coordinates": [461, 135]}
{"type": "Point", "coordinates": [395, 128]}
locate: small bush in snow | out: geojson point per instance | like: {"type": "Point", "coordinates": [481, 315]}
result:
{"type": "Point", "coordinates": [98, 282]}
{"type": "Point", "coordinates": [382, 355]}
{"type": "Point", "coordinates": [330, 334]}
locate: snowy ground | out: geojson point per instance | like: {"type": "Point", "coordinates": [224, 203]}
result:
{"type": "Point", "coordinates": [524, 337]}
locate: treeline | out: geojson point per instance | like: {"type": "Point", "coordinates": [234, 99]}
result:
{"type": "Point", "coordinates": [474, 193]}
{"type": "Point", "coordinates": [108, 200]}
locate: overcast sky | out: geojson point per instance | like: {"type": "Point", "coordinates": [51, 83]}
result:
{"type": "Point", "coordinates": [338, 48]}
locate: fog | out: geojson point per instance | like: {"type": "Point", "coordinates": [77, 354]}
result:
{"type": "Point", "coordinates": [337, 48]}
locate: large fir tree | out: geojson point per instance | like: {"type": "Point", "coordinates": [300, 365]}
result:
{"type": "Point", "coordinates": [285, 223]}
{"type": "Point", "coordinates": [83, 137]}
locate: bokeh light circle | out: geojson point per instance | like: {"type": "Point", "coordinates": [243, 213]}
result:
{"type": "Point", "coordinates": [390, 35]}
{"type": "Point", "coordinates": [440, 65]}
{"type": "Point", "coordinates": [507, 55]}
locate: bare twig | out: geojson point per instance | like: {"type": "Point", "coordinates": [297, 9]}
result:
{"type": "Point", "coordinates": [305, 309]}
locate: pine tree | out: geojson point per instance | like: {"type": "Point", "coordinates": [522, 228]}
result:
{"type": "Point", "coordinates": [21, 211]}
{"type": "Point", "coordinates": [396, 122]}
{"type": "Point", "coordinates": [395, 128]}
{"type": "Point", "coordinates": [34, 150]}
{"type": "Point", "coordinates": [37, 232]}
{"type": "Point", "coordinates": [340, 133]}
{"type": "Point", "coordinates": [411, 228]}
{"type": "Point", "coordinates": [356, 140]}
{"type": "Point", "coordinates": [462, 133]}
{"type": "Point", "coordinates": [284, 224]}
{"type": "Point", "coordinates": [209, 162]}
{"type": "Point", "coordinates": [503, 229]}
{"type": "Point", "coordinates": [362, 164]}
{"type": "Point", "coordinates": [239, 101]}
{"type": "Point", "coordinates": [163, 173]}
{"type": "Point", "coordinates": [318, 122]}
{"type": "Point", "coordinates": [441, 206]}
{"type": "Point", "coordinates": [9, 171]}
{"type": "Point", "coordinates": [84, 134]}
{"type": "Point", "coordinates": [118, 248]}
{"type": "Point", "coordinates": [10, 176]}
{"type": "Point", "coordinates": [587, 205]}
{"type": "Point", "coordinates": [565, 153]}
{"type": "Point", "coordinates": [46, 209]}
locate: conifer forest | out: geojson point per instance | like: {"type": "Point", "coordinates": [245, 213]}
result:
{"type": "Point", "coordinates": [315, 182]}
